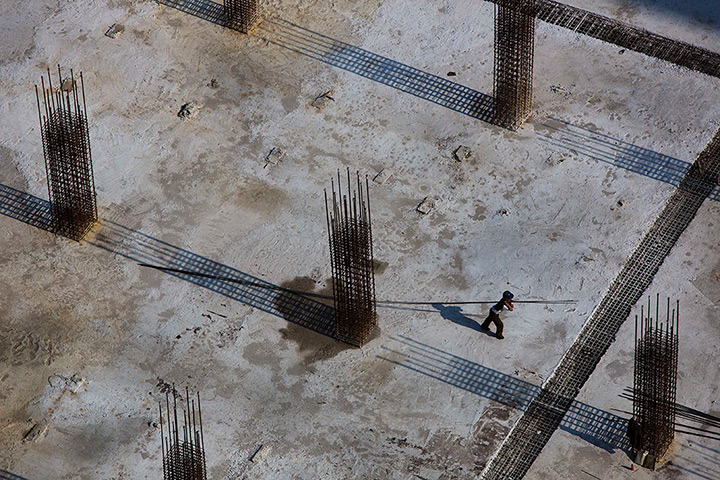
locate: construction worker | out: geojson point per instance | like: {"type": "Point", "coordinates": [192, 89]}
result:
{"type": "Point", "coordinates": [494, 315]}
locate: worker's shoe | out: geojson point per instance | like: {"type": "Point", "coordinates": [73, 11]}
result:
{"type": "Point", "coordinates": [499, 337]}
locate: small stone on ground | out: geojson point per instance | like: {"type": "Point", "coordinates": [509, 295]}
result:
{"type": "Point", "coordinates": [275, 155]}
{"type": "Point", "coordinates": [188, 110]}
{"type": "Point", "coordinates": [115, 30]}
{"type": "Point", "coordinates": [462, 153]}
{"type": "Point", "coordinates": [426, 205]}
{"type": "Point", "coordinates": [383, 176]}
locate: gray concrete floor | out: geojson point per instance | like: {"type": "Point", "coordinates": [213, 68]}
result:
{"type": "Point", "coordinates": [551, 212]}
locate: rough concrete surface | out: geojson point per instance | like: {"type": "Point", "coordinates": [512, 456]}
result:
{"type": "Point", "coordinates": [88, 338]}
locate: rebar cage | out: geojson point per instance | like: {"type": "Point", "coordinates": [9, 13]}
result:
{"type": "Point", "coordinates": [351, 259]}
{"type": "Point", "coordinates": [513, 67]}
{"type": "Point", "coordinates": [655, 382]}
{"type": "Point", "coordinates": [68, 160]}
{"type": "Point", "coordinates": [241, 15]}
{"type": "Point", "coordinates": [183, 450]}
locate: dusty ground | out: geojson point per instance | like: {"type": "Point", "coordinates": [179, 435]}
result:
{"type": "Point", "coordinates": [548, 212]}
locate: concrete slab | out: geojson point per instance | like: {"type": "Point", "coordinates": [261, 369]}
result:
{"type": "Point", "coordinates": [426, 398]}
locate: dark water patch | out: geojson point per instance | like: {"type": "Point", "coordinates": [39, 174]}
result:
{"type": "Point", "coordinates": [315, 342]}
{"type": "Point", "coordinates": [379, 266]}
{"type": "Point", "coordinates": [312, 346]}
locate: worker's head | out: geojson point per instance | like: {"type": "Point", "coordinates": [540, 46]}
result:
{"type": "Point", "coordinates": [507, 295]}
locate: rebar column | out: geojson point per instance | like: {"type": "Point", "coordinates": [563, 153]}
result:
{"type": "Point", "coordinates": [241, 15]}
{"type": "Point", "coordinates": [654, 391]}
{"type": "Point", "coordinates": [68, 160]}
{"type": "Point", "coordinates": [183, 448]}
{"type": "Point", "coordinates": [351, 259]}
{"type": "Point", "coordinates": [513, 68]}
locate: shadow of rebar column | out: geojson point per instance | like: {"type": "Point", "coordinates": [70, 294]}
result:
{"type": "Point", "coordinates": [513, 69]}
{"type": "Point", "coordinates": [599, 427]}
{"type": "Point", "coordinates": [241, 15]}
{"type": "Point", "coordinates": [351, 258]}
{"type": "Point", "coordinates": [68, 161]}
{"type": "Point", "coordinates": [543, 416]}
{"type": "Point", "coordinates": [183, 264]}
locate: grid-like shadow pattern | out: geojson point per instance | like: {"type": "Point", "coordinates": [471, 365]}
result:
{"type": "Point", "coordinates": [223, 279]}
{"type": "Point", "coordinates": [26, 208]}
{"type": "Point", "coordinates": [603, 148]}
{"type": "Point", "coordinates": [594, 425]}
{"type": "Point", "coordinates": [537, 424]}
{"type": "Point", "coordinates": [5, 475]}
{"type": "Point", "coordinates": [380, 69]}
{"type": "Point", "coordinates": [203, 9]}
{"type": "Point", "coordinates": [142, 248]}
{"type": "Point", "coordinates": [427, 86]}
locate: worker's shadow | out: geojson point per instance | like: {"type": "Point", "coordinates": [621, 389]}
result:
{"type": "Point", "coordinates": [454, 315]}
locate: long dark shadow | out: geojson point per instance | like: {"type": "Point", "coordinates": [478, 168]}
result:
{"type": "Point", "coordinates": [5, 475]}
{"type": "Point", "coordinates": [380, 69]}
{"type": "Point", "coordinates": [350, 58]}
{"type": "Point", "coordinates": [141, 248]}
{"type": "Point", "coordinates": [601, 428]}
{"type": "Point", "coordinates": [26, 208]}
{"type": "Point", "coordinates": [604, 148]}
{"type": "Point", "coordinates": [456, 316]}
{"type": "Point", "coordinates": [203, 9]}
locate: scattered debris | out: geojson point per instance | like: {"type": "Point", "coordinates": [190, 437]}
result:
{"type": "Point", "coordinates": [451, 74]}
{"type": "Point", "coordinates": [213, 83]}
{"type": "Point", "coordinates": [36, 432]}
{"type": "Point", "coordinates": [621, 51]}
{"type": "Point", "coordinates": [560, 90]}
{"type": "Point", "coordinates": [260, 453]}
{"type": "Point", "coordinates": [188, 110]}
{"type": "Point", "coordinates": [556, 159]}
{"type": "Point", "coordinates": [403, 443]}
{"type": "Point", "coordinates": [504, 212]}
{"type": "Point", "coordinates": [70, 384]}
{"type": "Point", "coordinates": [218, 314]}
{"type": "Point", "coordinates": [462, 153]}
{"type": "Point", "coordinates": [274, 157]}
{"type": "Point", "coordinates": [426, 205]}
{"type": "Point", "coordinates": [321, 101]}
{"type": "Point", "coordinates": [165, 387]}
{"type": "Point", "coordinates": [383, 176]}
{"type": "Point", "coordinates": [115, 30]}
{"type": "Point", "coordinates": [239, 464]}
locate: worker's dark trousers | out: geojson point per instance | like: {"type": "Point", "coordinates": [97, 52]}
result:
{"type": "Point", "coordinates": [494, 318]}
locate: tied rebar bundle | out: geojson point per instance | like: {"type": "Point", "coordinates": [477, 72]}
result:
{"type": "Point", "coordinates": [68, 160]}
{"type": "Point", "coordinates": [513, 68]}
{"type": "Point", "coordinates": [655, 383]}
{"type": "Point", "coordinates": [183, 449]}
{"type": "Point", "coordinates": [351, 258]}
{"type": "Point", "coordinates": [241, 15]}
